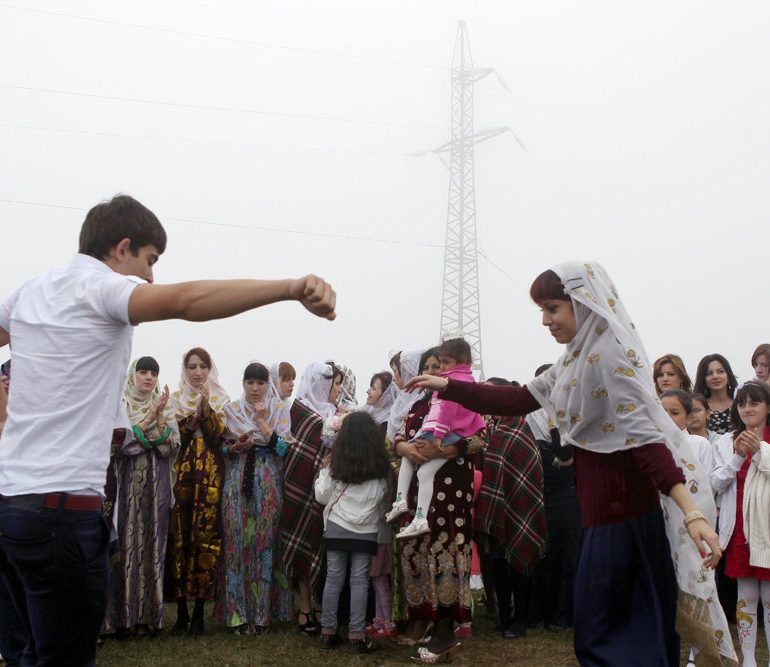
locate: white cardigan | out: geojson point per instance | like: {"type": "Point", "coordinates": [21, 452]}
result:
{"type": "Point", "coordinates": [355, 507]}
{"type": "Point", "coordinates": [756, 497]}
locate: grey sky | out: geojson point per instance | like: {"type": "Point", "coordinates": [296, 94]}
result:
{"type": "Point", "coordinates": [645, 124]}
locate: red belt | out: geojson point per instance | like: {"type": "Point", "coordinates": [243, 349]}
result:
{"type": "Point", "coordinates": [86, 503]}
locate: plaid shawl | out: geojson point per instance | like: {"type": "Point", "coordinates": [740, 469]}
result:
{"type": "Point", "coordinates": [510, 507]}
{"type": "Point", "coordinates": [302, 517]}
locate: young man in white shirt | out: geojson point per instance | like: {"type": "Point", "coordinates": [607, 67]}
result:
{"type": "Point", "coordinates": [75, 325]}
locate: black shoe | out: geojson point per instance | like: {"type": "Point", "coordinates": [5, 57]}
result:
{"type": "Point", "coordinates": [515, 631]}
{"type": "Point", "coordinates": [196, 627]}
{"type": "Point", "coordinates": [310, 626]}
{"type": "Point", "coordinates": [330, 641]}
{"type": "Point", "coordinates": [555, 627]}
{"type": "Point", "coordinates": [363, 645]}
{"type": "Point", "coordinates": [180, 627]}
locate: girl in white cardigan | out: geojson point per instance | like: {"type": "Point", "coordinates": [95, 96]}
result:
{"type": "Point", "coordinates": [741, 477]}
{"type": "Point", "coordinates": [352, 485]}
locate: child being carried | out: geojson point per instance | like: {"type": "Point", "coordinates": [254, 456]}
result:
{"type": "Point", "coordinates": [446, 424]}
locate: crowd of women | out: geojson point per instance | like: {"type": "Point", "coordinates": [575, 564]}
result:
{"type": "Point", "coordinates": [274, 505]}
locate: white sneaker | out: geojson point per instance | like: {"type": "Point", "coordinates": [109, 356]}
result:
{"type": "Point", "coordinates": [399, 508]}
{"type": "Point", "coordinates": [414, 529]}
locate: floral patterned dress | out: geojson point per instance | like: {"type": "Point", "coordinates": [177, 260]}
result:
{"type": "Point", "coordinates": [254, 590]}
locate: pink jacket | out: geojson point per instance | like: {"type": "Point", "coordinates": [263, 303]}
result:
{"type": "Point", "coordinates": [449, 417]}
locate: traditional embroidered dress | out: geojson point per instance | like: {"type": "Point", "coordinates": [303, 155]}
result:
{"type": "Point", "coordinates": [144, 507]}
{"type": "Point", "coordinates": [302, 516]}
{"type": "Point", "coordinates": [196, 537]}
{"type": "Point", "coordinates": [255, 589]}
{"type": "Point", "coordinates": [436, 567]}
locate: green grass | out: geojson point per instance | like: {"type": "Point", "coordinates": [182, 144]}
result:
{"type": "Point", "coordinates": [284, 645]}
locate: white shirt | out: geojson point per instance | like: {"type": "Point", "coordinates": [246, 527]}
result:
{"type": "Point", "coordinates": [70, 345]}
{"type": "Point", "coordinates": [355, 507]}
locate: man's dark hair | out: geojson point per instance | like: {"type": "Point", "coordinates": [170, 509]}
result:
{"type": "Point", "coordinates": [108, 223]}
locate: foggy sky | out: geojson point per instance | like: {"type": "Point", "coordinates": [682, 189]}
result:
{"type": "Point", "coordinates": [647, 144]}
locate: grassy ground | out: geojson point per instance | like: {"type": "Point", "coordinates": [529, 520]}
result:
{"type": "Point", "coordinates": [286, 646]}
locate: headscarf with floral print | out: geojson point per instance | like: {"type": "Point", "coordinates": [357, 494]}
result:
{"type": "Point", "coordinates": [348, 401]}
{"type": "Point", "coordinates": [186, 398]}
{"type": "Point", "coordinates": [137, 405]}
{"type": "Point", "coordinates": [601, 396]}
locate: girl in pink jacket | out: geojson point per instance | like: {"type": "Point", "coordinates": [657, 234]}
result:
{"type": "Point", "coordinates": [447, 423]}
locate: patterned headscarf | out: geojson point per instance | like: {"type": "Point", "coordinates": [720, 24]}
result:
{"type": "Point", "coordinates": [314, 389]}
{"type": "Point", "coordinates": [410, 367]}
{"type": "Point", "coordinates": [241, 416]}
{"type": "Point", "coordinates": [137, 406]}
{"type": "Point", "coordinates": [348, 401]}
{"type": "Point", "coordinates": [187, 397]}
{"type": "Point", "coordinates": [601, 396]}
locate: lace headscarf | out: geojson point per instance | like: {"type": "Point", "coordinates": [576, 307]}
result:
{"type": "Point", "coordinates": [348, 401]}
{"type": "Point", "coordinates": [314, 388]}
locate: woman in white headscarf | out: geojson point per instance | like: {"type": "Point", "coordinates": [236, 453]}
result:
{"type": "Point", "coordinates": [379, 398]}
{"type": "Point", "coordinates": [639, 568]}
{"type": "Point", "coordinates": [143, 466]}
{"type": "Point", "coordinates": [302, 517]}
{"type": "Point", "coordinates": [257, 426]}
{"type": "Point", "coordinates": [196, 536]}
{"type": "Point", "coordinates": [405, 366]}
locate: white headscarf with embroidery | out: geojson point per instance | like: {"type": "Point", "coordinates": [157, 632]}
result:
{"type": "Point", "coordinates": [601, 396]}
{"type": "Point", "coordinates": [314, 389]}
{"type": "Point", "coordinates": [138, 405]}
{"type": "Point", "coordinates": [186, 398]}
{"type": "Point", "coordinates": [410, 367]}
{"type": "Point", "coordinates": [241, 416]}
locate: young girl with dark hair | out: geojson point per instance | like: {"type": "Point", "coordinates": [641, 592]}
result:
{"type": "Point", "coordinates": [630, 600]}
{"type": "Point", "coordinates": [717, 382]}
{"type": "Point", "coordinates": [352, 485]}
{"type": "Point", "coordinates": [741, 477]}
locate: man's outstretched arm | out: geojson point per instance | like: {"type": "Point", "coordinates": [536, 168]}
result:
{"type": "Point", "coordinates": [204, 300]}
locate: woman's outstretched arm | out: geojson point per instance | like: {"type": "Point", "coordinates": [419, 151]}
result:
{"type": "Point", "coordinates": [487, 399]}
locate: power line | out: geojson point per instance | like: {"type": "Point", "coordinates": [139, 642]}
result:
{"type": "Point", "coordinates": [282, 230]}
{"type": "Point", "coordinates": [216, 142]}
{"type": "Point", "coordinates": [224, 38]}
{"type": "Point", "coordinates": [206, 107]}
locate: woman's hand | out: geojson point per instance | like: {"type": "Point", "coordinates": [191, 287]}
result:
{"type": "Point", "coordinates": [203, 404]}
{"type": "Point", "coordinates": [411, 451]}
{"type": "Point", "coordinates": [242, 444]}
{"type": "Point", "coordinates": [160, 406]}
{"type": "Point", "coordinates": [261, 410]}
{"type": "Point", "coordinates": [701, 532]}
{"type": "Point", "coordinates": [327, 461]}
{"type": "Point", "coordinates": [431, 449]}
{"type": "Point", "coordinates": [749, 442]}
{"type": "Point", "coordinates": [426, 382]}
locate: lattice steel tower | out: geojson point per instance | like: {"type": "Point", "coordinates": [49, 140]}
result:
{"type": "Point", "coordinates": [460, 308]}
